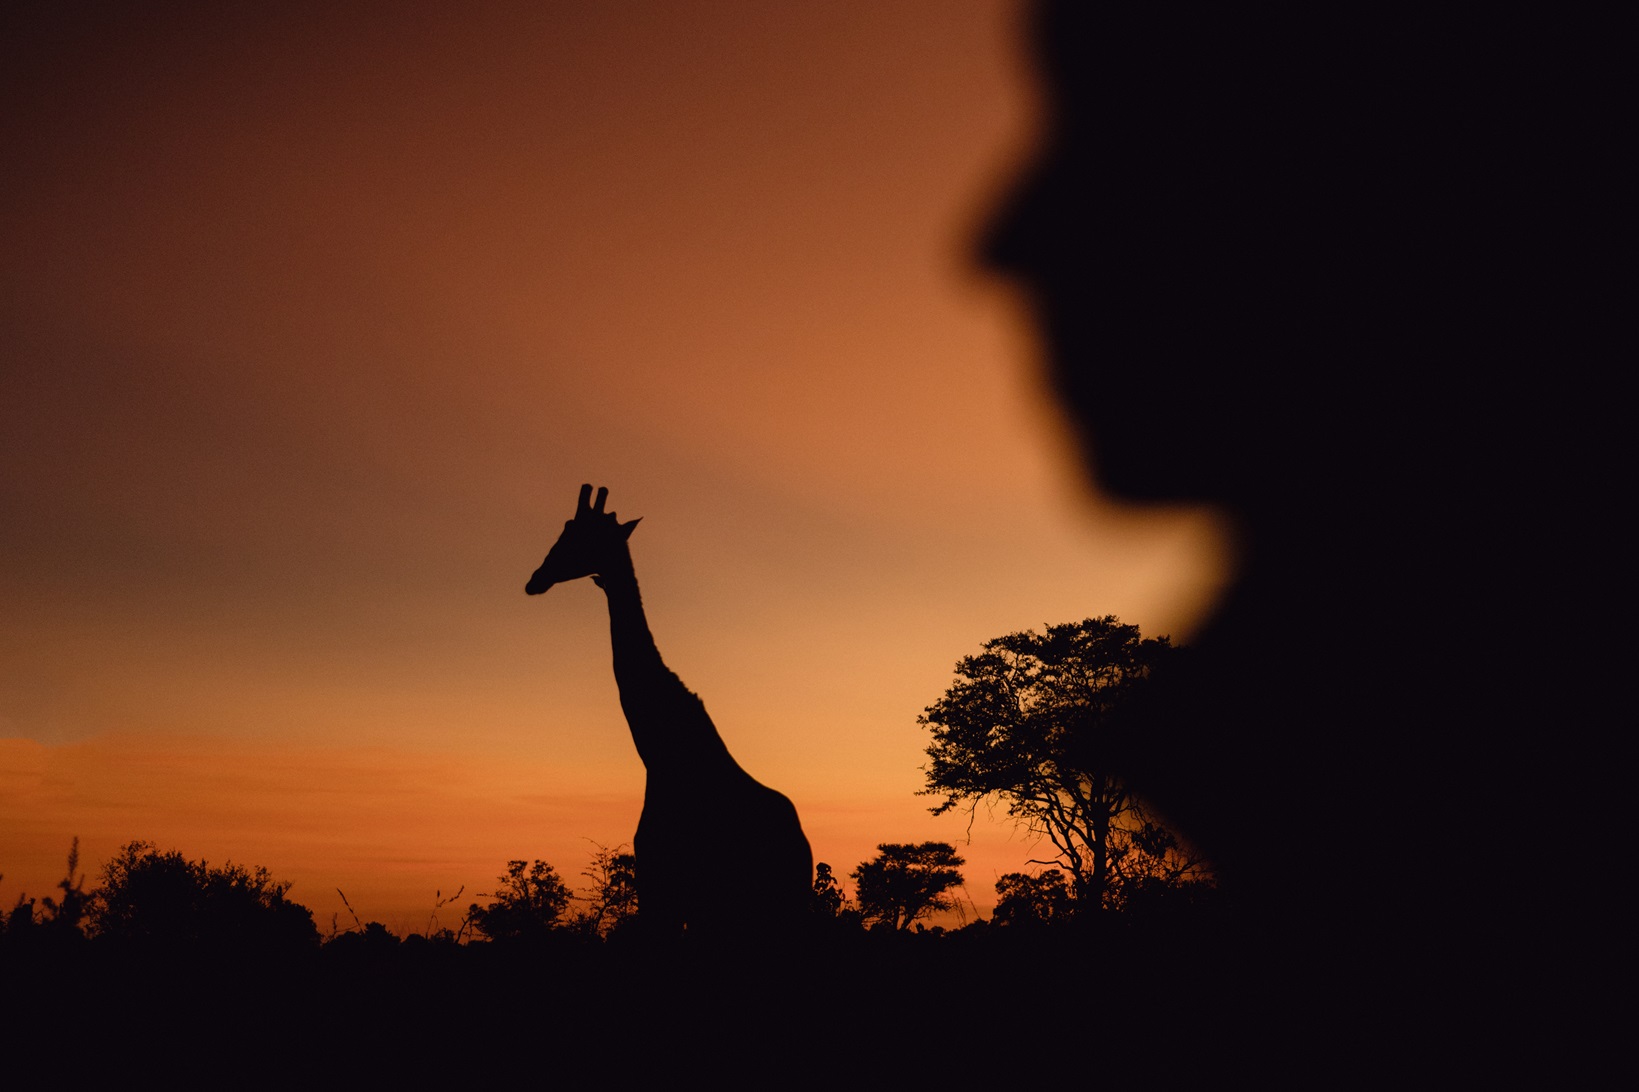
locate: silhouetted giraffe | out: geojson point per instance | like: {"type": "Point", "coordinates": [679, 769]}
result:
{"type": "Point", "coordinates": [716, 850]}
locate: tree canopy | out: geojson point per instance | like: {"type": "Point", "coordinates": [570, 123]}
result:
{"type": "Point", "coordinates": [1029, 901]}
{"type": "Point", "coordinates": [905, 882]}
{"type": "Point", "coordinates": [1037, 720]}
{"type": "Point", "coordinates": [528, 902]}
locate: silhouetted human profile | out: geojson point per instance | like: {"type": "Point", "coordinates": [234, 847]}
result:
{"type": "Point", "coordinates": [1325, 268]}
{"type": "Point", "coordinates": [700, 809]}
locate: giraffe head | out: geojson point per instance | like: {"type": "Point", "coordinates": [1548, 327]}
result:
{"type": "Point", "coordinates": [589, 542]}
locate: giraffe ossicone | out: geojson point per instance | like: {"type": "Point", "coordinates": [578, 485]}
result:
{"type": "Point", "coordinates": [589, 540]}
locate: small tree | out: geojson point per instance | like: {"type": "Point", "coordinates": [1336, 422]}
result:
{"type": "Point", "coordinates": [528, 903]}
{"type": "Point", "coordinates": [614, 891]}
{"type": "Point", "coordinates": [1026, 901]}
{"type": "Point", "coordinates": [828, 897]}
{"type": "Point", "coordinates": [905, 882]}
{"type": "Point", "coordinates": [1037, 720]}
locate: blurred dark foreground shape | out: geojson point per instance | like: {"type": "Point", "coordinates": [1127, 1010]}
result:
{"type": "Point", "coordinates": [1337, 271]}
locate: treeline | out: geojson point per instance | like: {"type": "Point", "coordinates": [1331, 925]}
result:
{"type": "Point", "coordinates": [1034, 722]}
{"type": "Point", "coordinates": [200, 974]}
{"type": "Point", "coordinates": [161, 950]}
{"type": "Point", "coordinates": [163, 901]}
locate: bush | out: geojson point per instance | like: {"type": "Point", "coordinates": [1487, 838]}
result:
{"type": "Point", "coordinates": [165, 900]}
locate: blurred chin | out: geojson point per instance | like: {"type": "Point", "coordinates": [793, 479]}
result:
{"type": "Point", "coordinates": [1144, 467]}
{"type": "Point", "coordinates": [1159, 420]}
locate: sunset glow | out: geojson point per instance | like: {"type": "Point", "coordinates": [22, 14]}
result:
{"type": "Point", "coordinates": [314, 324]}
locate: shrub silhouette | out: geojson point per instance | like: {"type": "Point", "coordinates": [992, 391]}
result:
{"type": "Point", "coordinates": [57, 917]}
{"type": "Point", "coordinates": [165, 900]}
{"type": "Point", "coordinates": [613, 901]}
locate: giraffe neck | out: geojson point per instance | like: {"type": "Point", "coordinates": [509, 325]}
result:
{"type": "Point", "coordinates": [670, 728]}
{"type": "Point", "coordinates": [636, 657]}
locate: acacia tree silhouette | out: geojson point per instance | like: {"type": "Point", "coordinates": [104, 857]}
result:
{"type": "Point", "coordinates": [1036, 719]}
{"type": "Point", "coordinates": [905, 882]}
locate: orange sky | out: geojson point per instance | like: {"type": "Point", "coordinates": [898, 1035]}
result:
{"type": "Point", "coordinates": [313, 324]}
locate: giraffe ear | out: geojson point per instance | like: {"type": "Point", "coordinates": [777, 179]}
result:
{"type": "Point", "coordinates": [628, 528]}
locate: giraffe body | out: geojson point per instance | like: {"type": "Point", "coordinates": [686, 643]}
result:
{"type": "Point", "coordinates": [718, 853]}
